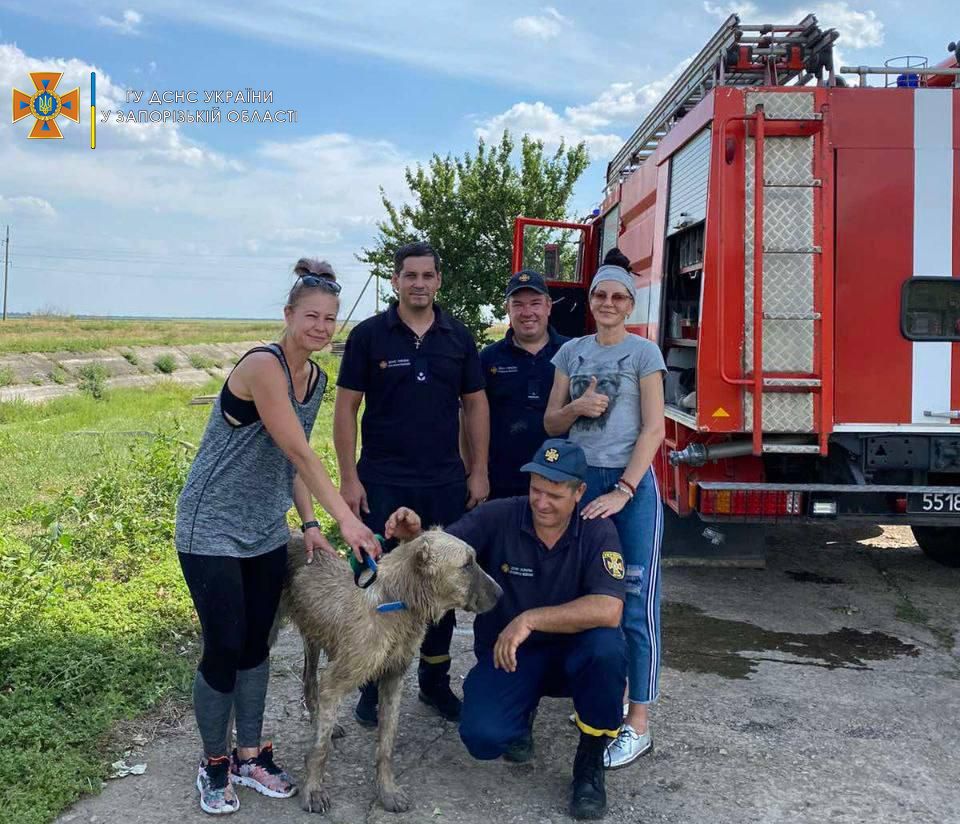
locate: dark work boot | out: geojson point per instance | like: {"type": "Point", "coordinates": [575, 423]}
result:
{"type": "Point", "coordinates": [366, 710]}
{"type": "Point", "coordinates": [522, 750]}
{"type": "Point", "coordinates": [588, 797]}
{"type": "Point", "coordinates": [435, 689]}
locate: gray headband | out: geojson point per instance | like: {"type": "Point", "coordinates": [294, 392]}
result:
{"type": "Point", "coordinates": [618, 274]}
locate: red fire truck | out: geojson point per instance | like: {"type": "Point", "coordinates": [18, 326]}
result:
{"type": "Point", "coordinates": [796, 246]}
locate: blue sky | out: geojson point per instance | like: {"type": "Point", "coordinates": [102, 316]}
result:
{"type": "Point", "coordinates": [207, 220]}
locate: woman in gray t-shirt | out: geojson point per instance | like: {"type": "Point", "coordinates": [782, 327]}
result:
{"type": "Point", "coordinates": [608, 392]}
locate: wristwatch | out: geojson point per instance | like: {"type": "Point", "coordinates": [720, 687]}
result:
{"type": "Point", "coordinates": [305, 526]}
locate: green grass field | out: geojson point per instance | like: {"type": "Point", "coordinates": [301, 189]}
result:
{"type": "Point", "coordinates": [66, 334]}
{"type": "Point", "coordinates": [96, 624]}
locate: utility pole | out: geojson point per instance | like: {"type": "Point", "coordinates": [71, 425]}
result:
{"type": "Point", "coordinates": [6, 264]}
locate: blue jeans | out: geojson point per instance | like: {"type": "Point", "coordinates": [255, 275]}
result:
{"type": "Point", "coordinates": [640, 527]}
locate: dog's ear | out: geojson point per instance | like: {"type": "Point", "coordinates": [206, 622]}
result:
{"type": "Point", "coordinates": [425, 555]}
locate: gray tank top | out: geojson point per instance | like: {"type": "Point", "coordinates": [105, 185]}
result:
{"type": "Point", "coordinates": [240, 485]}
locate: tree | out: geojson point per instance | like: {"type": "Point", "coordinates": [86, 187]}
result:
{"type": "Point", "coordinates": [466, 208]}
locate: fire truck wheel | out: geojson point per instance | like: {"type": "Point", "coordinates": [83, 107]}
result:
{"type": "Point", "coordinates": [939, 543]}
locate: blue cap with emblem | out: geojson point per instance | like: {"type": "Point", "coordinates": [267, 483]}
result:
{"type": "Point", "coordinates": [558, 460]}
{"type": "Point", "coordinates": [526, 279]}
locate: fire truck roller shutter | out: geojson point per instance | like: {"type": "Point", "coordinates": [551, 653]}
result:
{"type": "Point", "coordinates": [933, 222]}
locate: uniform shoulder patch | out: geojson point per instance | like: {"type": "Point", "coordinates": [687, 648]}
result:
{"type": "Point", "coordinates": [613, 563]}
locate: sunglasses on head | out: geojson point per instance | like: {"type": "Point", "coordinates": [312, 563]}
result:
{"type": "Point", "coordinates": [322, 281]}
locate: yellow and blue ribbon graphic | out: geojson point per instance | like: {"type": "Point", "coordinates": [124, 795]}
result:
{"type": "Point", "coordinates": [93, 110]}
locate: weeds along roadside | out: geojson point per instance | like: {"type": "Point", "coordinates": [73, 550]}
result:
{"type": "Point", "coordinates": [96, 624]}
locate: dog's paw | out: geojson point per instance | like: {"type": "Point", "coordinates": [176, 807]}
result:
{"type": "Point", "coordinates": [314, 798]}
{"type": "Point", "coordinates": [338, 731]}
{"type": "Point", "coordinates": [395, 800]}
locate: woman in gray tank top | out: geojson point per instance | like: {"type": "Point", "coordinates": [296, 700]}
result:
{"type": "Point", "coordinates": [253, 463]}
{"type": "Point", "coordinates": [608, 391]}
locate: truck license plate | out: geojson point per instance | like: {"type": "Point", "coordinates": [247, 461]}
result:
{"type": "Point", "coordinates": [934, 503]}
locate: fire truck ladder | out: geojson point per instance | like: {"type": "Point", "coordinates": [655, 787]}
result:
{"type": "Point", "coordinates": [737, 55]}
{"type": "Point", "coordinates": [787, 298]}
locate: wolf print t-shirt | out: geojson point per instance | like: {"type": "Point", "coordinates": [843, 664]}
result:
{"type": "Point", "coordinates": [608, 440]}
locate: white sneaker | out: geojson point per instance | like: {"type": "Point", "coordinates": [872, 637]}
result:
{"type": "Point", "coordinates": [572, 718]}
{"type": "Point", "coordinates": [626, 748]}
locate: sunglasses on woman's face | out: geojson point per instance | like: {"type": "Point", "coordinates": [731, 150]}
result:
{"type": "Point", "coordinates": [322, 282]}
{"type": "Point", "coordinates": [617, 298]}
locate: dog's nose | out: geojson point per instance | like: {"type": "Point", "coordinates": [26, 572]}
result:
{"type": "Point", "coordinates": [492, 594]}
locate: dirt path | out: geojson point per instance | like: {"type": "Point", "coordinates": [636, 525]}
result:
{"type": "Point", "coordinates": [825, 687]}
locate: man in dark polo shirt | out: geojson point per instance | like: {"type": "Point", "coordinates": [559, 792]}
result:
{"type": "Point", "coordinates": [555, 630]}
{"type": "Point", "coordinates": [519, 376]}
{"type": "Point", "coordinates": [415, 366]}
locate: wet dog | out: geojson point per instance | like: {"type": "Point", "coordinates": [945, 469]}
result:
{"type": "Point", "coordinates": [428, 575]}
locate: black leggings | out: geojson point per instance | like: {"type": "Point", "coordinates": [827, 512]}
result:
{"type": "Point", "coordinates": [236, 600]}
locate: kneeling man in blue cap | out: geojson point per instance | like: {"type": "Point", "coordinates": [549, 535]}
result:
{"type": "Point", "coordinates": [556, 629]}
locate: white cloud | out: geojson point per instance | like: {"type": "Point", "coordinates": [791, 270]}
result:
{"type": "Point", "coordinates": [546, 26]}
{"type": "Point", "coordinates": [27, 205]}
{"type": "Point", "coordinates": [128, 24]}
{"type": "Point", "coordinates": [188, 213]}
{"type": "Point", "coordinates": [858, 29]}
{"type": "Point", "coordinates": [724, 10]}
{"type": "Point", "coordinates": [541, 122]}
{"type": "Point", "coordinates": [623, 104]}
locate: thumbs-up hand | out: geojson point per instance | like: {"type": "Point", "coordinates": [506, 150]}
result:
{"type": "Point", "coordinates": [592, 404]}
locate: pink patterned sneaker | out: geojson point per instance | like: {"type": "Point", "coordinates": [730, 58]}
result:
{"type": "Point", "coordinates": [261, 773]}
{"type": "Point", "coordinates": [217, 795]}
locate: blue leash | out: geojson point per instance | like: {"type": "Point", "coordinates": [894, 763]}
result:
{"type": "Point", "coordinates": [367, 571]}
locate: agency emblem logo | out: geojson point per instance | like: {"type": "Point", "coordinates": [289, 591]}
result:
{"type": "Point", "coordinates": [613, 561]}
{"type": "Point", "coordinates": [46, 105]}
{"type": "Point", "coordinates": [551, 455]}
{"type": "Point", "coordinates": [524, 277]}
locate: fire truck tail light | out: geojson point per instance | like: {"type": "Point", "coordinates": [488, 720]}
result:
{"type": "Point", "coordinates": [824, 508]}
{"type": "Point", "coordinates": [764, 503]}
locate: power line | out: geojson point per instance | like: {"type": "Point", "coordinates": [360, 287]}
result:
{"type": "Point", "coordinates": [83, 253]}
{"type": "Point", "coordinates": [134, 276]}
{"type": "Point", "coordinates": [157, 278]}
{"type": "Point", "coordinates": [101, 252]}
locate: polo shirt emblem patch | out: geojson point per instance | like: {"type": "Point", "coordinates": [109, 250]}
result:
{"type": "Point", "coordinates": [493, 370]}
{"type": "Point", "coordinates": [552, 456]}
{"type": "Point", "coordinates": [613, 562]}
{"type": "Point", "coordinates": [394, 363]}
{"type": "Point", "coordinates": [522, 572]}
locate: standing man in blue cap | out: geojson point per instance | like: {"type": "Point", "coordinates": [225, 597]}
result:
{"type": "Point", "coordinates": [556, 629]}
{"type": "Point", "coordinates": [519, 376]}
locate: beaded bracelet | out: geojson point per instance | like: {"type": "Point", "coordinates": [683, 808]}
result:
{"type": "Point", "coordinates": [622, 488]}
